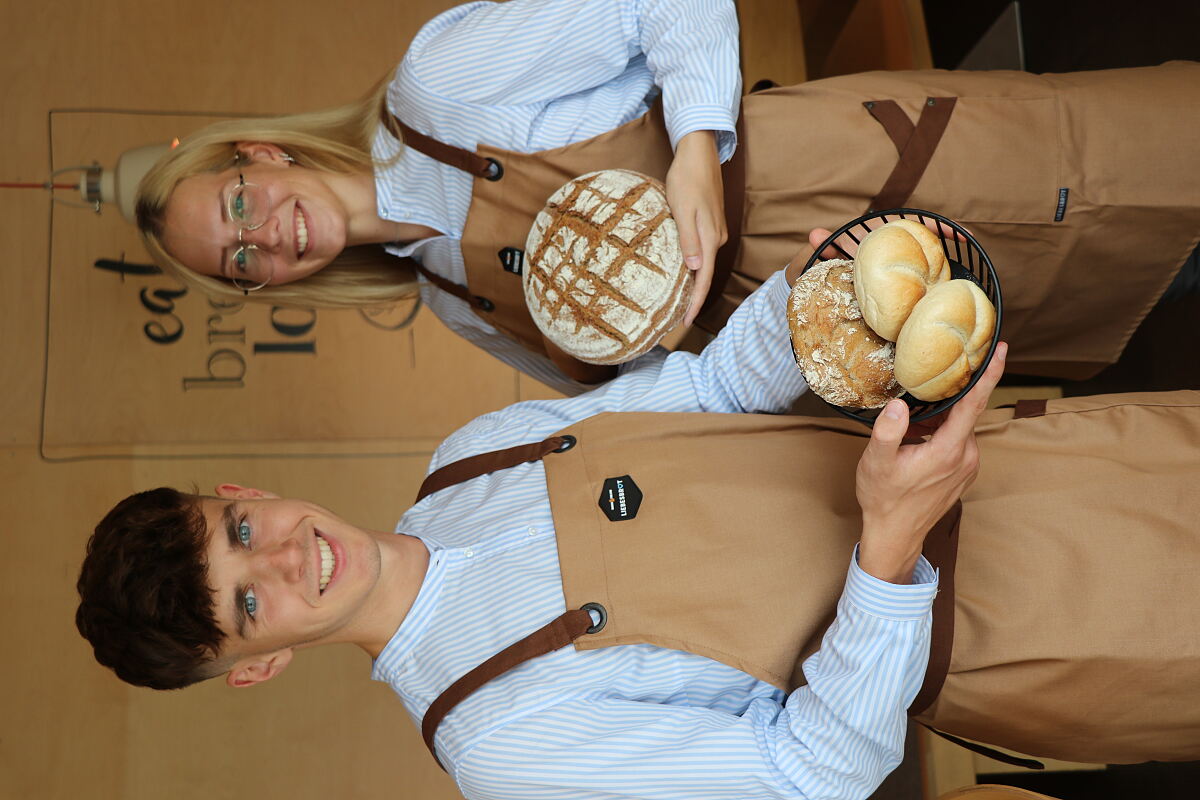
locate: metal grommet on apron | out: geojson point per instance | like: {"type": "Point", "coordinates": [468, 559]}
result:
{"type": "Point", "coordinates": [601, 612]}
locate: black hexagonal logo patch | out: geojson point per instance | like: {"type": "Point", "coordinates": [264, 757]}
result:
{"type": "Point", "coordinates": [620, 498]}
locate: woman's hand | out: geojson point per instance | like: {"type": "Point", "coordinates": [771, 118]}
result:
{"type": "Point", "coordinates": [694, 192]}
{"type": "Point", "coordinates": [904, 489]}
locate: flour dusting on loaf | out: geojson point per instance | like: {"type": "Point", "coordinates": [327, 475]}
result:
{"type": "Point", "coordinates": [843, 360]}
{"type": "Point", "coordinates": [604, 276]}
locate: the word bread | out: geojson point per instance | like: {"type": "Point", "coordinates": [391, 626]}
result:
{"type": "Point", "coordinates": [844, 361]}
{"type": "Point", "coordinates": [895, 265]}
{"type": "Point", "coordinates": [944, 340]}
{"type": "Point", "coordinates": [604, 275]}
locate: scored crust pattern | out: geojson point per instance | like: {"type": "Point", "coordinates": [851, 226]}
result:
{"type": "Point", "coordinates": [844, 362]}
{"type": "Point", "coordinates": [604, 276]}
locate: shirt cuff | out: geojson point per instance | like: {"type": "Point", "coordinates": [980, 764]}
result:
{"type": "Point", "coordinates": [714, 118]}
{"type": "Point", "coordinates": [777, 285]}
{"type": "Point", "coordinates": [892, 600]}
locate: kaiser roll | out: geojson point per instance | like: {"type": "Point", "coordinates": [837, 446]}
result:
{"type": "Point", "coordinates": [931, 246]}
{"type": "Point", "coordinates": [842, 359]}
{"type": "Point", "coordinates": [944, 340]}
{"type": "Point", "coordinates": [604, 276]}
{"type": "Point", "coordinates": [892, 272]}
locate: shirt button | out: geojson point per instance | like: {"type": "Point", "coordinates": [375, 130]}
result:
{"type": "Point", "coordinates": [468, 552]}
{"type": "Point", "coordinates": [532, 531]}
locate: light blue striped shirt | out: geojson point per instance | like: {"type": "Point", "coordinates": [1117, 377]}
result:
{"type": "Point", "coordinates": [531, 75]}
{"type": "Point", "coordinates": [638, 720]}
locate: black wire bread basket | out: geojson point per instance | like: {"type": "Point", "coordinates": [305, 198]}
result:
{"type": "Point", "coordinates": [968, 261]}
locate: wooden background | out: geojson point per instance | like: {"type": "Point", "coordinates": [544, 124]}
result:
{"type": "Point", "coordinates": [93, 409]}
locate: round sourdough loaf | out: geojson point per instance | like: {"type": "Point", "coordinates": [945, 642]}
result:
{"type": "Point", "coordinates": [892, 272]}
{"type": "Point", "coordinates": [604, 275]}
{"type": "Point", "coordinates": [844, 361]}
{"type": "Point", "coordinates": [944, 340]}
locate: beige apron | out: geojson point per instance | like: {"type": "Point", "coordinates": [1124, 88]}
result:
{"type": "Point", "coordinates": [1076, 632]}
{"type": "Point", "coordinates": [1116, 148]}
{"type": "Point", "coordinates": [510, 189]}
{"type": "Point", "coordinates": [1081, 187]}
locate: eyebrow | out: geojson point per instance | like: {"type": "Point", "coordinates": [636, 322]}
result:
{"type": "Point", "coordinates": [221, 216]}
{"type": "Point", "coordinates": [239, 594]}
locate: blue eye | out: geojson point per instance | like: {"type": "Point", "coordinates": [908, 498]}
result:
{"type": "Point", "coordinates": [239, 260]}
{"type": "Point", "coordinates": [251, 602]}
{"type": "Point", "coordinates": [243, 533]}
{"type": "Point", "coordinates": [238, 205]}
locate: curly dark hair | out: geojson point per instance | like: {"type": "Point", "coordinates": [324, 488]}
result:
{"type": "Point", "coordinates": [144, 600]}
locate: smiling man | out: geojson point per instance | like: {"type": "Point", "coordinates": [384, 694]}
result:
{"type": "Point", "coordinates": [754, 622]}
{"type": "Point", "coordinates": [286, 574]}
{"type": "Point", "coordinates": [243, 574]}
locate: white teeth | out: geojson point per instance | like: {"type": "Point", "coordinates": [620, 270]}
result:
{"type": "Point", "coordinates": [327, 562]}
{"type": "Point", "coordinates": [301, 233]}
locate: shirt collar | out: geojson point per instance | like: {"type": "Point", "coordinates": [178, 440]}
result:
{"type": "Point", "coordinates": [394, 654]}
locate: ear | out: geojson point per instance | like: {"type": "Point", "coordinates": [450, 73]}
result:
{"type": "Point", "coordinates": [256, 669]}
{"type": "Point", "coordinates": [232, 491]}
{"type": "Point", "coordinates": [262, 151]}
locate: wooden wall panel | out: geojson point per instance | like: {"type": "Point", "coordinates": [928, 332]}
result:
{"type": "Point", "coordinates": [73, 729]}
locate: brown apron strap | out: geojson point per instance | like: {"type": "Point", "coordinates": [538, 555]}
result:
{"type": "Point", "coordinates": [456, 289]}
{"type": "Point", "coordinates": [895, 122]}
{"type": "Point", "coordinates": [473, 466]}
{"type": "Point", "coordinates": [1024, 409]}
{"type": "Point", "coordinates": [557, 634]}
{"type": "Point", "coordinates": [916, 145]}
{"type": "Point", "coordinates": [471, 163]}
{"type": "Point", "coordinates": [941, 549]}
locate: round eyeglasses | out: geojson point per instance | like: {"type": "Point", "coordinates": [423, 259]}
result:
{"type": "Point", "coordinates": [249, 269]}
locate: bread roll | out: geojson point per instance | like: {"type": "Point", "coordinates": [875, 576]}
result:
{"type": "Point", "coordinates": [842, 359]}
{"type": "Point", "coordinates": [931, 246]}
{"type": "Point", "coordinates": [944, 340]}
{"type": "Point", "coordinates": [604, 276]}
{"type": "Point", "coordinates": [892, 273]}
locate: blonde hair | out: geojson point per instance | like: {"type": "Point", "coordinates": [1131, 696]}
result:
{"type": "Point", "coordinates": [334, 140]}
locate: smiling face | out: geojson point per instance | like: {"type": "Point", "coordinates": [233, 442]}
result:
{"type": "Point", "coordinates": [304, 223]}
{"type": "Point", "coordinates": [286, 573]}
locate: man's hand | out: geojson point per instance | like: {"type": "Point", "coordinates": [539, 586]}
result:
{"type": "Point", "coordinates": [904, 489]}
{"type": "Point", "coordinates": [694, 192]}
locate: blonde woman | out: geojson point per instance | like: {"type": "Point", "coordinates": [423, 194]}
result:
{"type": "Point", "coordinates": [431, 181]}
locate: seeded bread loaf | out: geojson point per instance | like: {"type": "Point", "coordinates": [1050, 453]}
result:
{"type": "Point", "coordinates": [844, 361]}
{"type": "Point", "coordinates": [893, 272]}
{"type": "Point", "coordinates": [604, 276]}
{"type": "Point", "coordinates": [944, 340]}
